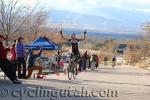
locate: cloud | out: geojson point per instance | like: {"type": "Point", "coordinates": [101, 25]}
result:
{"type": "Point", "coordinates": [93, 6]}
{"type": "Point", "coordinates": [139, 1]}
{"type": "Point", "coordinates": [142, 10]}
{"type": "Point", "coordinates": [104, 3]}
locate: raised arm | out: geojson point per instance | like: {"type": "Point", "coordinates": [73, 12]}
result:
{"type": "Point", "coordinates": [39, 54]}
{"type": "Point", "coordinates": [61, 33]}
{"type": "Point", "coordinates": [84, 36]}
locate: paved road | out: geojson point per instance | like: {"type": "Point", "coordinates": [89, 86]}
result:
{"type": "Point", "coordinates": [106, 83]}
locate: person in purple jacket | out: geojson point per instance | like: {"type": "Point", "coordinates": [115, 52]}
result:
{"type": "Point", "coordinates": [21, 56]}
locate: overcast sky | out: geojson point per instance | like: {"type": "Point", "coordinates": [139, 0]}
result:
{"type": "Point", "coordinates": [98, 8]}
{"type": "Point", "coordinates": [94, 6]}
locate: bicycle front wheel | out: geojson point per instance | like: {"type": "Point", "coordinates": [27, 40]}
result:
{"type": "Point", "coordinates": [69, 73]}
{"type": "Point", "coordinates": [74, 73]}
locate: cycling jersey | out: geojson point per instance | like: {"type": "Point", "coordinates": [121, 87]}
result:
{"type": "Point", "coordinates": [74, 44]}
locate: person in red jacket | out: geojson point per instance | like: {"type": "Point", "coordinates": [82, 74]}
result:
{"type": "Point", "coordinates": [13, 52]}
{"type": "Point", "coordinates": [5, 64]}
{"type": "Point", "coordinates": [13, 57]}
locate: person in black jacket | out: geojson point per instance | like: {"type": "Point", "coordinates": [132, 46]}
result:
{"type": "Point", "coordinates": [114, 61]}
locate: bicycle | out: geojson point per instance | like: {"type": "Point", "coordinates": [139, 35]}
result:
{"type": "Point", "coordinates": [73, 40]}
{"type": "Point", "coordinates": [72, 68]}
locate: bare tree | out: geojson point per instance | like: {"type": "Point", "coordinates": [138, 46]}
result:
{"type": "Point", "coordinates": [16, 19]}
{"type": "Point", "coordinates": [145, 39]}
{"type": "Point", "coordinates": [38, 21]}
{"type": "Point", "coordinates": [10, 15]}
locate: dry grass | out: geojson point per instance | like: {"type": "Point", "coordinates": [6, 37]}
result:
{"type": "Point", "coordinates": [144, 64]}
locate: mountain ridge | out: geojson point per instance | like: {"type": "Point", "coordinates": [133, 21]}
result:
{"type": "Point", "coordinates": [122, 23]}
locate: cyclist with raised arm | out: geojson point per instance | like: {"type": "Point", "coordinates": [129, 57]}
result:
{"type": "Point", "coordinates": [74, 44]}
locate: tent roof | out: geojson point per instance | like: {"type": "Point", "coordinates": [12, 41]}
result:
{"type": "Point", "coordinates": [43, 42]}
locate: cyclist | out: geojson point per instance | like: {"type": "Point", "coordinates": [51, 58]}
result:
{"type": "Point", "coordinates": [74, 43]}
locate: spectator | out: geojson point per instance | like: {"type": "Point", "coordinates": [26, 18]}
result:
{"type": "Point", "coordinates": [114, 61]}
{"type": "Point", "coordinates": [53, 68]}
{"type": "Point", "coordinates": [93, 62]}
{"type": "Point", "coordinates": [13, 57]}
{"type": "Point", "coordinates": [85, 60]}
{"type": "Point", "coordinates": [20, 51]}
{"type": "Point", "coordinates": [97, 61]}
{"type": "Point", "coordinates": [89, 58]}
{"type": "Point", "coordinates": [105, 60]}
{"type": "Point", "coordinates": [81, 64]}
{"type": "Point", "coordinates": [61, 63]}
{"type": "Point", "coordinates": [31, 63]}
{"type": "Point", "coordinates": [5, 64]}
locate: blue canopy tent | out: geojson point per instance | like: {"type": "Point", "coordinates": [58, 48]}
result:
{"type": "Point", "coordinates": [43, 42]}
